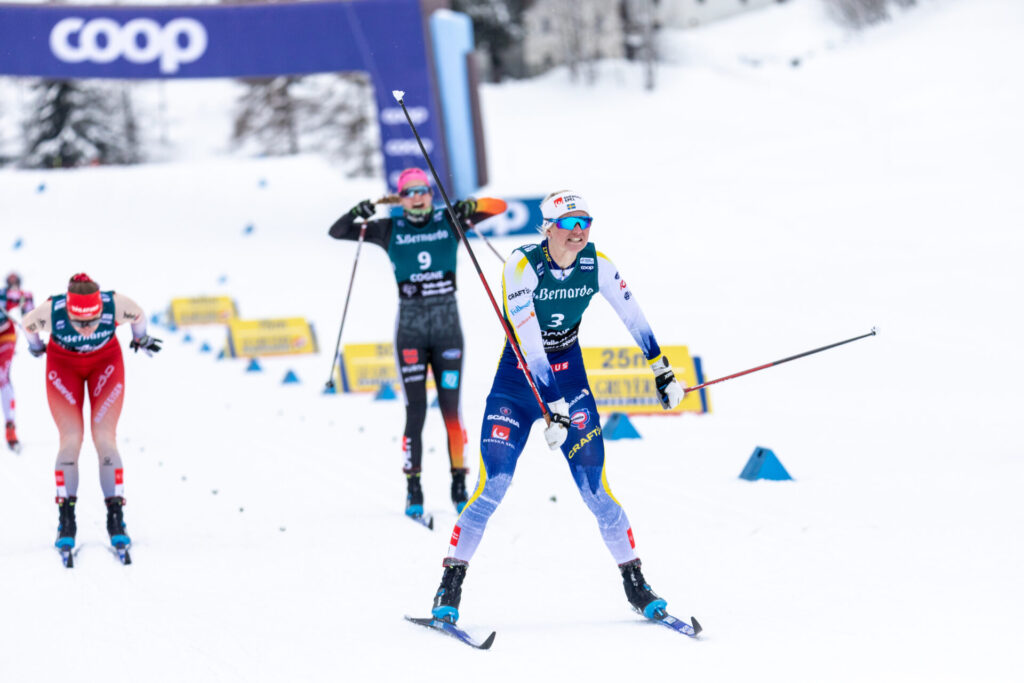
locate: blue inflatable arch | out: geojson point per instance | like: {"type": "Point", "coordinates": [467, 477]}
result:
{"type": "Point", "coordinates": [416, 46]}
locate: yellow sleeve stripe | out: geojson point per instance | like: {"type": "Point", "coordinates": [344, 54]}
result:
{"type": "Point", "coordinates": [520, 267]}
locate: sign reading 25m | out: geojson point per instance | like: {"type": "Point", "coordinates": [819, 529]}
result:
{"type": "Point", "coordinates": [140, 41]}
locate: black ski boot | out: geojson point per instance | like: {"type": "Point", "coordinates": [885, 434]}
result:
{"type": "Point", "coordinates": [449, 593]}
{"type": "Point", "coordinates": [639, 593]}
{"type": "Point", "coordinates": [459, 496]}
{"type": "Point", "coordinates": [414, 495]}
{"type": "Point", "coordinates": [115, 521]}
{"type": "Point", "coordinates": [66, 526]}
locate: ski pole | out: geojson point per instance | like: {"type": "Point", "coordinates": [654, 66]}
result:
{"type": "Point", "coordinates": [398, 95]}
{"type": "Point", "coordinates": [344, 313]}
{"type": "Point", "coordinates": [874, 331]}
{"type": "Point", "coordinates": [486, 241]}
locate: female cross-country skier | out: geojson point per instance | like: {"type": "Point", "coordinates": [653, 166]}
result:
{"type": "Point", "coordinates": [546, 288]}
{"type": "Point", "coordinates": [83, 357]}
{"type": "Point", "coordinates": [13, 297]}
{"type": "Point", "coordinates": [422, 245]}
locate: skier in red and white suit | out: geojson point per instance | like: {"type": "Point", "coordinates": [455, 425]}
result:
{"type": "Point", "coordinates": [83, 355]}
{"type": "Point", "coordinates": [12, 297]}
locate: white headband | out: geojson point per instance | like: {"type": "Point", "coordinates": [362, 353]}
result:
{"type": "Point", "coordinates": [561, 204]}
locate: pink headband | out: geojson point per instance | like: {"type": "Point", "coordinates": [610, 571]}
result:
{"type": "Point", "coordinates": [412, 174]}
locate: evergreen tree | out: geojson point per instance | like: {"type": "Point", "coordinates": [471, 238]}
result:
{"type": "Point", "coordinates": [497, 27]}
{"type": "Point", "coordinates": [74, 123]}
{"type": "Point", "coordinates": [268, 116]}
{"type": "Point", "coordinates": [332, 114]}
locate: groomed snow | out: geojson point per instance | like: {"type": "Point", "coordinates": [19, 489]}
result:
{"type": "Point", "coordinates": [756, 211]}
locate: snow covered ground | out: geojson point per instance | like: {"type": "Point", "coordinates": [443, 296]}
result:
{"type": "Point", "coordinates": [757, 211]}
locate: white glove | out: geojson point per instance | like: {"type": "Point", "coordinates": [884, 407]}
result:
{"type": "Point", "coordinates": [557, 430]}
{"type": "Point", "coordinates": [670, 392]}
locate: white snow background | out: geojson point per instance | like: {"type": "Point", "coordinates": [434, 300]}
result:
{"type": "Point", "coordinates": [756, 211]}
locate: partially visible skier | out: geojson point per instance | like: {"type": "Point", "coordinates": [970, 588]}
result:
{"type": "Point", "coordinates": [13, 298]}
{"type": "Point", "coordinates": [546, 289]}
{"type": "Point", "coordinates": [422, 245]}
{"type": "Point", "coordinates": [83, 357]}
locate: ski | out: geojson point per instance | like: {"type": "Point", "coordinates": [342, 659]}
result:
{"type": "Point", "coordinates": [67, 556]}
{"type": "Point", "coordinates": [120, 551]}
{"type": "Point", "coordinates": [679, 625]}
{"type": "Point", "coordinates": [426, 520]}
{"type": "Point", "coordinates": [453, 631]}
{"type": "Point", "coordinates": [14, 446]}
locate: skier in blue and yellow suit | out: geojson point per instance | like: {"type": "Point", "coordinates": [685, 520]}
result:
{"type": "Point", "coordinates": [546, 289]}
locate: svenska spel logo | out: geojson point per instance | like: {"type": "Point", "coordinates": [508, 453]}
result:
{"type": "Point", "coordinates": [140, 41]}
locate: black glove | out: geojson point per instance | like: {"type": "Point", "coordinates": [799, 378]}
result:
{"type": "Point", "coordinates": [149, 345]}
{"type": "Point", "coordinates": [465, 208]}
{"type": "Point", "coordinates": [364, 209]}
{"type": "Point", "coordinates": [36, 350]}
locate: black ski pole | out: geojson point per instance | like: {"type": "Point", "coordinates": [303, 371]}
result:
{"type": "Point", "coordinates": [344, 313]}
{"type": "Point", "coordinates": [399, 95]}
{"type": "Point", "coordinates": [873, 332]}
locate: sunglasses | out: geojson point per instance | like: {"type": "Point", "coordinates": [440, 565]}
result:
{"type": "Point", "coordinates": [86, 323]}
{"type": "Point", "coordinates": [414, 191]}
{"type": "Point", "coordinates": [572, 222]}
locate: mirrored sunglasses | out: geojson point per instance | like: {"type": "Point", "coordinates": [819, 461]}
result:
{"type": "Point", "coordinates": [413, 191]}
{"type": "Point", "coordinates": [571, 222]}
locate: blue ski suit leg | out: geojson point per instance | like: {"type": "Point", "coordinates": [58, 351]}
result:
{"type": "Point", "coordinates": [510, 412]}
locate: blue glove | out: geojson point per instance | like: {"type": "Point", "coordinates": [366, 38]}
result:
{"type": "Point", "coordinates": [37, 350]}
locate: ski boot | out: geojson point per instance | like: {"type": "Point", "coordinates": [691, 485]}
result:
{"type": "Point", "coordinates": [639, 593]}
{"type": "Point", "coordinates": [414, 495]}
{"type": "Point", "coordinates": [449, 593]}
{"type": "Point", "coordinates": [66, 526]}
{"type": "Point", "coordinates": [115, 521]}
{"type": "Point", "coordinates": [459, 496]}
{"type": "Point", "coordinates": [12, 438]}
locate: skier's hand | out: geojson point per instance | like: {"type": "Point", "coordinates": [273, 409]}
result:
{"type": "Point", "coordinates": [37, 350]}
{"type": "Point", "coordinates": [364, 209]}
{"type": "Point", "coordinates": [465, 208]}
{"type": "Point", "coordinates": [557, 430]}
{"type": "Point", "coordinates": [670, 392]}
{"type": "Point", "coordinates": [149, 345]}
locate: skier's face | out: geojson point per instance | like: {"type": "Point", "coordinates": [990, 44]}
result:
{"type": "Point", "coordinates": [416, 198]}
{"type": "Point", "coordinates": [568, 243]}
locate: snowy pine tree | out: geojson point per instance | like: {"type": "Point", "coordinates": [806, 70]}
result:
{"type": "Point", "coordinates": [72, 123]}
{"type": "Point", "coordinates": [497, 28]}
{"type": "Point", "coordinates": [268, 116]}
{"type": "Point", "coordinates": [332, 114]}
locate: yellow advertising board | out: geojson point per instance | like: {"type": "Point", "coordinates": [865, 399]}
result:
{"type": "Point", "coordinates": [203, 310]}
{"type": "Point", "coordinates": [365, 367]}
{"type": "Point", "coordinates": [275, 337]}
{"type": "Point", "coordinates": [622, 380]}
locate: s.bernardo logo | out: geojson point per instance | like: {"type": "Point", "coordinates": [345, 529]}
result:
{"type": "Point", "coordinates": [139, 41]}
